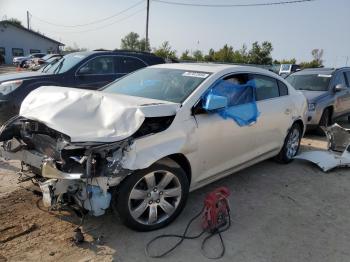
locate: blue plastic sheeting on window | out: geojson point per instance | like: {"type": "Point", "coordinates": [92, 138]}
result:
{"type": "Point", "coordinates": [241, 102]}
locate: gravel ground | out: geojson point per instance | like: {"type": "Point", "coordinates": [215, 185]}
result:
{"type": "Point", "coordinates": [280, 213]}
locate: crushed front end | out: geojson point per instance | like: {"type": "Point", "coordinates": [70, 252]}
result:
{"type": "Point", "coordinates": [80, 173]}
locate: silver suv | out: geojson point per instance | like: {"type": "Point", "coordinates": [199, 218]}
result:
{"type": "Point", "coordinates": [327, 91]}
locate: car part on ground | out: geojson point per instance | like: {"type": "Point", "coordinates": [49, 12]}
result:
{"type": "Point", "coordinates": [338, 153]}
{"type": "Point", "coordinates": [140, 144]}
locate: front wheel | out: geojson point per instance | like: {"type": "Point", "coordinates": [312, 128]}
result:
{"type": "Point", "coordinates": [291, 145]}
{"type": "Point", "coordinates": [153, 197]}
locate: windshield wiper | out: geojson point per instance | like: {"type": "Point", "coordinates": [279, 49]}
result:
{"type": "Point", "coordinates": [58, 68]}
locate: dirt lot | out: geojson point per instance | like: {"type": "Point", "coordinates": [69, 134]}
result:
{"type": "Point", "coordinates": [280, 213]}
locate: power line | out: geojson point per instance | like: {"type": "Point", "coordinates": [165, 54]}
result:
{"type": "Point", "coordinates": [104, 26]}
{"type": "Point", "coordinates": [90, 23]}
{"type": "Point", "coordinates": [232, 5]}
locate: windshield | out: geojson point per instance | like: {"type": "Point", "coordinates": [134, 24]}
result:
{"type": "Point", "coordinates": [312, 82]}
{"type": "Point", "coordinates": [65, 63]}
{"type": "Point", "coordinates": [172, 85]}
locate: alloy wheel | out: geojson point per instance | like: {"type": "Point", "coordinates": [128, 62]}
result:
{"type": "Point", "coordinates": [155, 197]}
{"type": "Point", "coordinates": [293, 143]}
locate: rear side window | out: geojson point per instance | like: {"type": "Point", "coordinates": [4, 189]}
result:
{"type": "Point", "coordinates": [129, 64]}
{"type": "Point", "coordinates": [283, 89]}
{"type": "Point", "coordinates": [98, 66]}
{"type": "Point", "coordinates": [266, 87]}
{"type": "Point", "coordinates": [340, 79]}
{"type": "Point", "coordinates": [347, 75]}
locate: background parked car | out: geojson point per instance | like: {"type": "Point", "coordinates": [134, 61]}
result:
{"type": "Point", "coordinates": [287, 69]}
{"type": "Point", "coordinates": [37, 63]}
{"type": "Point", "coordinates": [20, 60]}
{"type": "Point", "coordinates": [327, 91]}
{"type": "Point", "coordinates": [88, 70]}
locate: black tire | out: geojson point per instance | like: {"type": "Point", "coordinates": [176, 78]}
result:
{"type": "Point", "coordinates": [122, 201]}
{"type": "Point", "coordinates": [284, 155]}
{"type": "Point", "coordinates": [326, 120]}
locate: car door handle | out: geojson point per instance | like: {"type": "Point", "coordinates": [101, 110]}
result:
{"type": "Point", "coordinates": [287, 111]}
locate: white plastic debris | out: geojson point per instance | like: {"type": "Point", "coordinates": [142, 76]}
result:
{"type": "Point", "coordinates": [337, 155]}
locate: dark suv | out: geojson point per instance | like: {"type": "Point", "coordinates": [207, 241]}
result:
{"type": "Point", "coordinates": [327, 91]}
{"type": "Point", "coordinates": [88, 70]}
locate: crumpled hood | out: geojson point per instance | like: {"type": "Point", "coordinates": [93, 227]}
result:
{"type": "Point", "coordinates": [311, 96]}
{"type": "Point", "coordinates": [92, 116]}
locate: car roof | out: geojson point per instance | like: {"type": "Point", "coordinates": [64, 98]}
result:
{"type": "Point", "coordinates": [312, 71]}
{"type": "Point", "coordinates": [213, 67]}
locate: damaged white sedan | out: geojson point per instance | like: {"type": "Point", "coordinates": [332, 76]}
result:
{"type": "Point", "coordinates": [144, 141]}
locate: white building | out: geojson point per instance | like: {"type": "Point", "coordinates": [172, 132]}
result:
{"type": "Point", "coordinates": [16, 40]}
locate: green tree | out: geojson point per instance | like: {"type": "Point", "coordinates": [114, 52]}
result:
{"type": "Point", "coordinates": [261, 54]}
{"type": "Point", "coordinates": [144, 46]}
{"type": "Point", "coordinates": [165, 51]}
{"type": "Point", "coordinates": [14, 21]}
{"type": "Point", "coordinates": [198, 55]}
{"type": "Point", "coordinates": [210, 56]}
{"type": "Point", "coordinates": [185, 56]}
{"type": "Point", "coordinates": [285, 61]}
{"type": "Point", "coordinates": [225, 54]}
{"type": "Point", "coordinates": [131, 42]}
{"type": "Point", "coordinates": [74, 48]}
{"type": "Point", "coordinates": [317, 61]}
{"type": "Point", "coordinates": [317, 55]}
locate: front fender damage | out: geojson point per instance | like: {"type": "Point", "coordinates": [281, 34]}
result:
{"type": "Point", "coordinates": [84, 173]}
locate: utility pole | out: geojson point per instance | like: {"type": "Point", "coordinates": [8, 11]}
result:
{"type": "Point", "coordinates": [28, 24]}
{"type": "Point", "coordinates": [147, 40]}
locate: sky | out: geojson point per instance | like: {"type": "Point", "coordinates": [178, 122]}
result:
{"type": "Point", "coordinates": [293, 29]}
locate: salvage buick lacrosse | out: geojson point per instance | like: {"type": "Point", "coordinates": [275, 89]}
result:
{"type": "Point", "coordinates": [144, 141]}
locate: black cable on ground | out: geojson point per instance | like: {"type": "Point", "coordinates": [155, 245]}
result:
{"type": "Point", "coordinates": [184, 236]}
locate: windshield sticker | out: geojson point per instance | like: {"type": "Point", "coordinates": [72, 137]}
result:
{"type": "Point", "coordinates": [196, 74]}
{"type": "Point", "coordinates": [324, 75]}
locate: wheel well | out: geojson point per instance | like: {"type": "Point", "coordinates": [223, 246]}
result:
{"type": "Point", "coordinates": [182, 161]}
{"type": "Point", "coordinates": [331, 110]}
{"type": "Point", "coordinates": [301, 124]}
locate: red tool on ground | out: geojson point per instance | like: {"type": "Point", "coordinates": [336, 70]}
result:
{"type": "Point", "coordinates": [215, 220]}
{"type": "Point", "coordinates": [216, 209]}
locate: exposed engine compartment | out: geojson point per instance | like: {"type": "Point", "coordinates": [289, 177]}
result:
{"type": "Point", "coordinates": [79, 171]}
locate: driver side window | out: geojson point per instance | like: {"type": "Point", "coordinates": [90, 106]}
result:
{"type": "Point", "coordinates": [236, 88]}
{"type": "Point", "coordinates": [98, 66]}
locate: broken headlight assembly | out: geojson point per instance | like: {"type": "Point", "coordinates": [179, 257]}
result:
{"type": "Point", "coordinates": [9, 86]}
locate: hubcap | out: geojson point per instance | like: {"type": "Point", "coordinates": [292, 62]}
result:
{"type": "Point", "coordinates": [155, 197]}
{"type": "Point", "coordinates": [293, 143]}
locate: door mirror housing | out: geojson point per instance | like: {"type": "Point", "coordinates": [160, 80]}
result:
{"type": "Point", "coordinates": [339, 87]}
{"type": "Point", "coordinates": [84, 70]}
{"type": "Point", "coordinates": [214, 102]}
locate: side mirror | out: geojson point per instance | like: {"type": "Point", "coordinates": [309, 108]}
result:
{"type": "Point", "coordinates": [339, 87]}
{"type": "Point", "coordinates": [84, 70]}
{"type": "Point", "coordinates": [214, 102]}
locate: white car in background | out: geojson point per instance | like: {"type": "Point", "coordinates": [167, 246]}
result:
{"type": "Point", "coordinates": [146, 140]}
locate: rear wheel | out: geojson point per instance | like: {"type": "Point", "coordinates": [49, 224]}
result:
{"type": "Point", "coordinates": [291, 144]}
{"type": "Point", "coordinates": [153, 197]}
